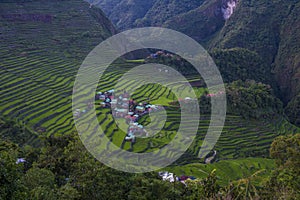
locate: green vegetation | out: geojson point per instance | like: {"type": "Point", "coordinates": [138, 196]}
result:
{"type": "Point", "coordinates": [267, 31]}
{"type": "Point", "coordinates": [252, 100]}
{"type": "Point", "coordinates": [253, 119]}
{"type": "Point", "coordinates": [17, 133]}
{"type": "Point", "coordinates": [271, 29]}
{"type": "Point", "coordinates": [127, 14]}
{"type": "Point", "coordinates": [241, 64]}
{"type": "Point", "coordinates": [201, 23]}
{"type": "Point", "coordinates": [293, 110]}
{"type": "Point", "coordinates": [284, 180]}
{"type": "Point", "coordinates": [163, 10]}
{"type": "Point", "coordinates": [38, 65]}
{"type": "Point", "coordinates": [63, 169]}
{"type": "Point", "coordinates": [227, 170]}
{"type": "Point", "coordinates": [42, 46]}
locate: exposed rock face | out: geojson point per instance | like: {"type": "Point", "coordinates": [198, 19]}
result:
{"type": "Point", "coordinates": [228, 7]}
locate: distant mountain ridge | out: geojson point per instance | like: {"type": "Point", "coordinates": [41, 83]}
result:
{"type": "Point", "coordinates": [126, 14]}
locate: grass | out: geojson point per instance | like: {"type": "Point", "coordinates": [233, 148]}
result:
{"type": "Point", "coordinates": [139, 61]}
{"type": "Point", "coordinates": [36, 88]}
{"type": "Point", "coordinates": [48, 104]}
{"type": "Point", "coordinates": [227, 170]}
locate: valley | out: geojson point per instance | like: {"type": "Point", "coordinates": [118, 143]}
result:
{"type": "Point", "coordinates": [43, 44]}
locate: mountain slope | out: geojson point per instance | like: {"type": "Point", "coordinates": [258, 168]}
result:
{"type": "Point", "coordinates": [287, 62]}
{"type": "Point", "coordinates": [42, 46]}
{"type": "Point", "coordinates": [164, 10]}
{"type": "Point", "coordinates": [126, 14]}
{"type": "Point", "coordinates": [106, 5]}
{"type": "Point", "coordinates": [53, 27]}
{"type": "Point", "coordinates": [271, 29]}
{"type": "Point", "coordinates": [200, 23]}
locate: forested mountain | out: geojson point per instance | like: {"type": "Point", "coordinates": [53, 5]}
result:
{"type": "Point", "coordinates": [255, 44]}
{"type": "Point", "coordinates": [126, 14]}
{"type": "Point", "coordinates": [269, 28]}
{"type": "Point", "coordinates": [163, 10]}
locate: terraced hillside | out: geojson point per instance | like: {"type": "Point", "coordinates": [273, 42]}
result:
{"type": "Point", "coordinates": [40, 55]}
{"type": "Point", "coordinates": [240, 138]}
{"type": "Point", "coordinates": [268, 28]}
{"type": "Point", "coordinates": [42, 45]}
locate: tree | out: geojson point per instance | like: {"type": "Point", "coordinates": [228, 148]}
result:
{"type": "Point", "coordinates": [285, 180]}
{"type": "Point", "coordinates": [203, 188]}
{"type": "Point", "coordinates": [244, 188]}
{"type": "Point", "coordinates": [10, 172]}
{"type": "Point", "coordinates": [286, 151]}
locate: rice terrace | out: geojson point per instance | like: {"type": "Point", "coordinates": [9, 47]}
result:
{"type": "Point", "coordinates": [36, 84]}
{"type": "Point", "coordinates": [44, 44]}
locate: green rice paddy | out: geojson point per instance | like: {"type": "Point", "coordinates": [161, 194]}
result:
{"type": "Point", "coordinates": [38, 68]}
{"type": "Point", "coordinates": [40, 96]}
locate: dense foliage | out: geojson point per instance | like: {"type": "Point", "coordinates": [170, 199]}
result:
{"type": "Point", "coordinates": [241, 64]}
{"type": "Point", "coordinates": [126, 14]}
{"type": "Point", "coordinates": [251, 99]}
{"type": "Point", "coordinates": [41, 156]}
{"type": "Point", "coordinates": [269, 29]}
{"type": "Point", "coordinates": [293, 110]}
{"type": "Point", "coordinates": [285, 180]}
{"type": "Point", "coordinates": [63, 169]}
{"type": "Point", "coordinates": [234, 64]}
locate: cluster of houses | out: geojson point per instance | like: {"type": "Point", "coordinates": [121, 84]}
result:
{"type": "Point", "coordinates": [123, 106]}
{"type": "Point", "coordinates": [170, 177]}
{"type": "Point", "coordinates": [159, 54]}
